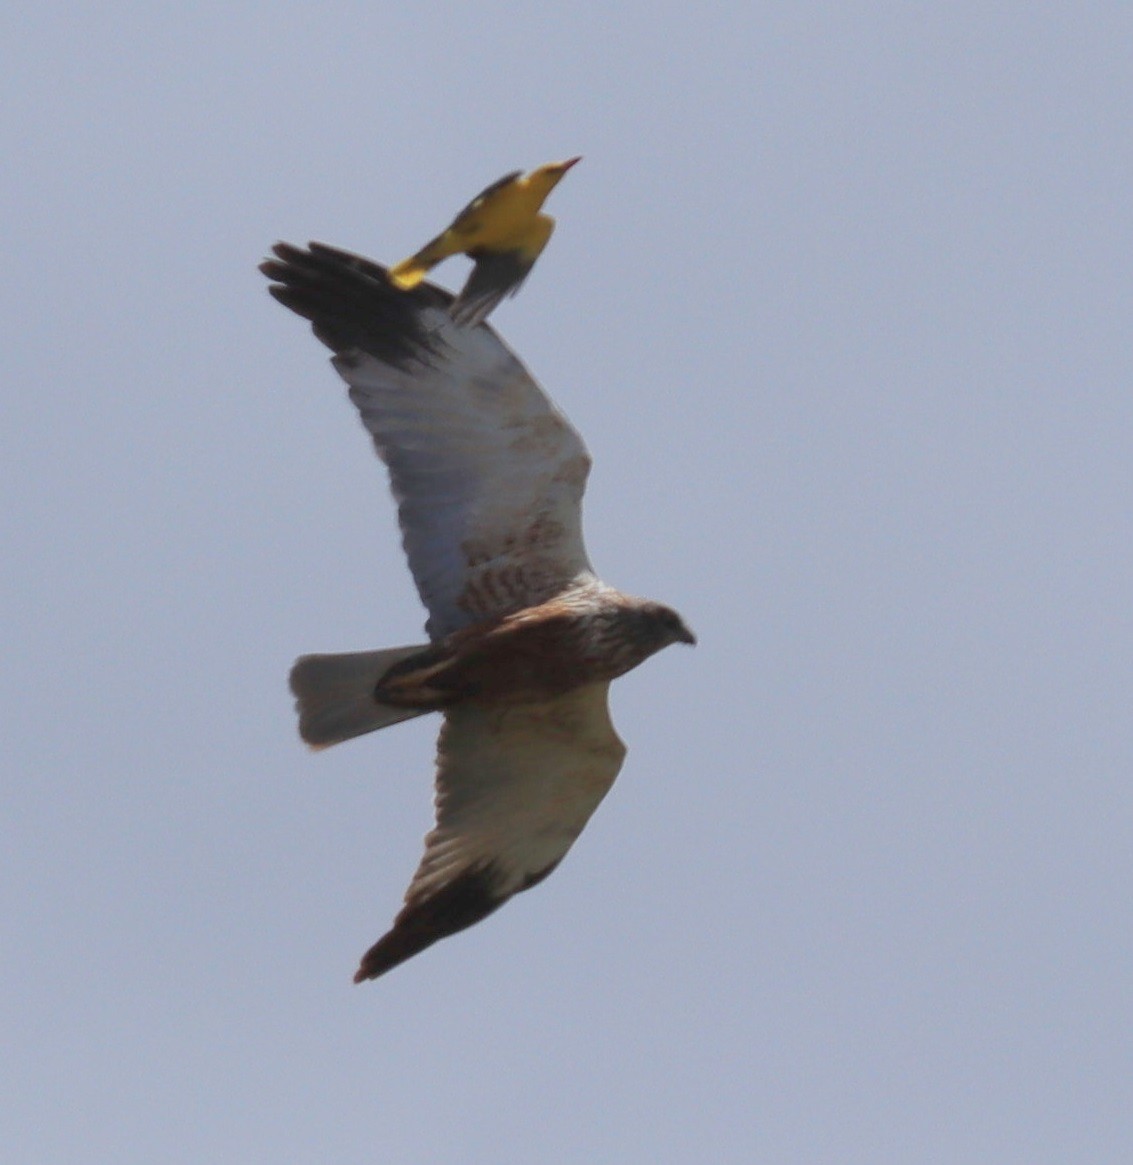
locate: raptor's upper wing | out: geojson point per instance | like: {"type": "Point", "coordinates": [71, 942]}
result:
{"type": "Point", "coordinates": [487, 473]}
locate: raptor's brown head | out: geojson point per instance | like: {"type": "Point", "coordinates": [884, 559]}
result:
{"type": "Point", "coordinates": [659, 626]}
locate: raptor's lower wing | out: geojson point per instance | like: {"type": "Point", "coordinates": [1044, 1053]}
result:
{"type": "Point", "coordinates": [515, 786]}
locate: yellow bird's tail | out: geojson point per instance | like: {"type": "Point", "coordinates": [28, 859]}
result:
{"type": "Point", "coordinates": [409, 272]}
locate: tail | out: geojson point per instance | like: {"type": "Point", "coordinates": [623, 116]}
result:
{"type": "Point", "coordinates": [334, 694]}
{"type": "Point", "coordinates": [409, 272]}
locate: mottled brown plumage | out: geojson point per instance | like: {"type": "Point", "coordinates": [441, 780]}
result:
{"type": "Point", "coordinates": [524, 638]}
{"type": "Point", "coordinates": [535, 654]}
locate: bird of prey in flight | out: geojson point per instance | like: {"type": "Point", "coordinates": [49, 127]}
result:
{"type": "Point", "coordinates": [524, 639]}
{"type": "Point", "coordinates": [502, 231]}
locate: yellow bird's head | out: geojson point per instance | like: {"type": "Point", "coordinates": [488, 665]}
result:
{"type": "Point", "coordinates": [545, 178]}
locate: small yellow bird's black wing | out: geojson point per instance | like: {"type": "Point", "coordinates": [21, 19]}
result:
{"type": "Point", "coordinates": [484, 194]}
{"type": "Point", "coordinates": [495, 276]}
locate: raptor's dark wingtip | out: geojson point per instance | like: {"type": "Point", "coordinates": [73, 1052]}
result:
{"type": "Point", "coordinates": [351, 303]}
{"type": "Point", "coordinates": [459, 904]}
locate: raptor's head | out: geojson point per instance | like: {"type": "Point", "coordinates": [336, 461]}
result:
{"type": "Point", "coordinates": [661, 625]}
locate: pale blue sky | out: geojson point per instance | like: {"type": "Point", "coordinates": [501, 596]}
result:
{"type": "Point", "coordinates": [840, 298]}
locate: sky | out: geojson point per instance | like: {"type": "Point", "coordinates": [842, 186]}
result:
{"type": "Point", "coordinates": [840, 299]}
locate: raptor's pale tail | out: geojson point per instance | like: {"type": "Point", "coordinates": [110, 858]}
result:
{"type": "Point", "coordinates": [334, 694]}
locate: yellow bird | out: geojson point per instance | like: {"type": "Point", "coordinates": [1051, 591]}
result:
{"type": "Point", "coordinates": [502, 231]}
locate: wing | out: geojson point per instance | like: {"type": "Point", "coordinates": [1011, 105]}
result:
{"type": "Point", "coordinates": [496, 275]}
{"type": "Point", "coordinates": [487, 473]}
{"type": "Point", "coordinates": [515, 786]}
{"type": "Point", "coordinates": [460, 223]}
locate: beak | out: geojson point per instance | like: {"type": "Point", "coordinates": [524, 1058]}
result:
{"type": "Point", "coordinates": [688, 638]}
{"type": "Point", "coordinates": [563, 167]}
